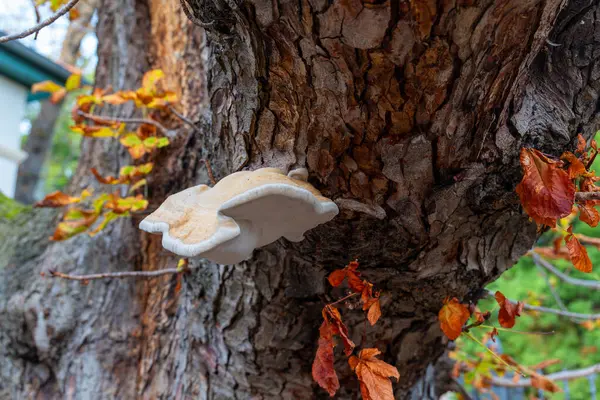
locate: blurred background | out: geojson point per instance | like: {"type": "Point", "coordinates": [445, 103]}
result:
{"type": "Point", "coordinates": [38, 154]}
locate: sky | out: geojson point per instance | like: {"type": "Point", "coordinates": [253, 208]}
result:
{"type": "Point", "coordinates": [18, 15]}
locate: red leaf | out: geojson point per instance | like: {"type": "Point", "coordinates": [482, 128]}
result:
{"type": "Point", "coordinates": [337, 277]}
{"type": "Point", "coordinates": [493, 334]}
{"type": "Point", "coordinates": [578, 253]}
{"type": "Point", "coordinates": [349, 271]}
{"type": "Point", "coordinates": [354, 282]}
{"type": "Point", "coordinates": [453, 316]}
{"type": "Point", "coordinates": [323, 371]}
{"type": "Point", "coordinates": [589, 214]}
{"type": "Point", "coordinates": [546, 191]}
{"type": "Point", "coordinates": [508, 311]}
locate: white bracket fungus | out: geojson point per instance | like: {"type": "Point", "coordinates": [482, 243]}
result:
{"type": "Point", "coordinates": [243, 211]}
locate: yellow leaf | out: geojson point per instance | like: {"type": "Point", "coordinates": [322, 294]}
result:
{"type": "Point", "coordinates": [46, 86]}
{"type": "Point", "coordinates": [151, 78]}
{"type": "Point", "coordinates": [73, 82]}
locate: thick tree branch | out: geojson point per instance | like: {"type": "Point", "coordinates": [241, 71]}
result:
{"type": "Point", "coordinates": [34, 29]}
{"type": "Point", "coordinates": [586, 196]}
{"type": "Point", "coordinates": [558, 376]}
{"type": "Point", "coordinates": [539, 261]}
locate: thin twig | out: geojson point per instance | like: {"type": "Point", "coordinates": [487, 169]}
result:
{"type": "Point", "coordinates": [182, 117]}
{"type": "Point", "coordinates": [541, 333]}
{"type": "Point", "coordinates": [540, 262]}
{"type": "Point", "coordinates": [38, 18]}
{"type": "Point", "coordinates": [117, 275]}
{"type": "Point", "coordinates": [558, 376]}
{"type": "Point", "coordinates": [36, 28]}
{"type": "Point", "coordinates": [496, 356]}
{"type": "Point", "coordinates": [209, 170]}
{"type": "Point", "coordinates": [343, 299]}
{"type": "Point", "coordinates": [586, 196]}
{"type": "Point", "coordinates": [109, 120]}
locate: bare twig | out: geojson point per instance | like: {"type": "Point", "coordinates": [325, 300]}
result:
{"type": "Point", "coordinates": [590, 284]}
{"type": "Point", "coordinates": [117, 275]}
{"type": "Point", "coordinates": [554, 293]}
{"type": "Point", "coordinates": [568, 314]}
{"type": "Point", "coordinates": [558, 376]}
{"type": "Point", "coordinates": [586, 196]}
{"type": "Point", "coordinates": [34, 29]}
{"type": "Point", "coordinates": [209, 170]}
{"type": "Point", "coordinates": [343, 299]}
{"type": "Point", "coordinates": [38, 18]}
{"type": "Point", "coordinates": [182, 117]}
{"type": "Point", "coordinates": [109, 120]}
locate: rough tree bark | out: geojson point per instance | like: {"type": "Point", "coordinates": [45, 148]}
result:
{"type": "Point", "coordinates": [39, 140]}
{"type": "Point", "coordinates": [410, 113]}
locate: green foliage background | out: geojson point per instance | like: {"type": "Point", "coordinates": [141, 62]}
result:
{"type": "Point", "coordinates": [576, 346]}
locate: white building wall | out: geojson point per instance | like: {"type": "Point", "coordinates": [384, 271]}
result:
{"type": "Point", "coordinates": [13, 98]}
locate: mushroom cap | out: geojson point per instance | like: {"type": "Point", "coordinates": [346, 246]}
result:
{"type": "Point", "coordinates": [243, 211]}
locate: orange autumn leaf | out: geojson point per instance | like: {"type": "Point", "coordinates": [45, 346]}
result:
{"type": "Point", "coordinates": [374, 312]}
{"type": "Point", "coordinates": [333, 316]}
{"type": "Point", "coordinates": [576, 167]}
{"type": "Point", "coordinates": [553, 254]}
{"type": "Point", "coordinates": [75, 221]}
{"type": "Point", "coordinates": [509, 311]}
{"type": "Point", "coordinates": [94, 131]}
{"type": "Point", "coordinates": [370, 302]}
{"type": "Point", "coordinates": [546, 191]}
{"type": "Point", "coordinates": [453, 316]}
{"type": "Point", "coordinates": [58, 199]}
{"type": "Point", "coordinates": [589, 214]}
{"type": "Point", "coordinates": [127, 174]}
{"type": "Point", "coordinates": [349, 271]}
{"type": "Point", "coordinates": [541, 382]}
{"type": "Point", "coordinates": [57, 92]}
{"type": "Point", "coordinates": [374, 375]}
{"type": "Point", "coordinates": [480, 317]}
{"type": "Point", "coordinates": [323, 371]}
{"type": "Point", "coordinates": [337, 277]}
{"type": "Point", "coordinates": [578, 253]}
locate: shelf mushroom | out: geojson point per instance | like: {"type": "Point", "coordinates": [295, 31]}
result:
{"type": "Point", "coordinates": [243, 211]}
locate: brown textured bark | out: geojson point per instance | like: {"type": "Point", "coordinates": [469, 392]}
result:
{"type": "Point", "coordinates": [39, 140]}
{"type": "Point", "coordinates": [409, 114]}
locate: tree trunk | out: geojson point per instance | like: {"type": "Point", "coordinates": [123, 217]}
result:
{"type": "Point", "coordinates": [39, 140]}
{"type": "Point", "coordinates": [409, 114]}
